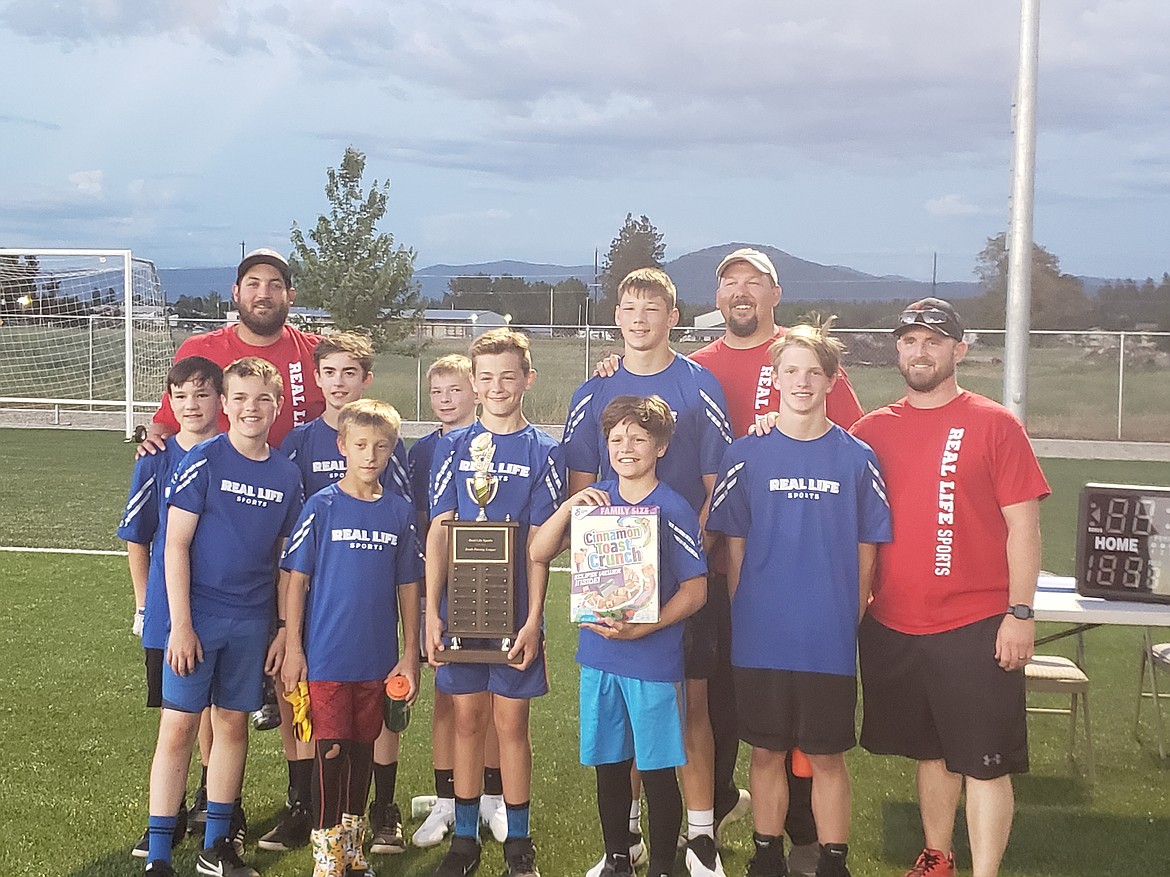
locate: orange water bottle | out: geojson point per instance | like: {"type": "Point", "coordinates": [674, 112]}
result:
{"type": "Point", "coordinates": [801, 766]}
{"type": "Point", "coordinates": [396, 710]}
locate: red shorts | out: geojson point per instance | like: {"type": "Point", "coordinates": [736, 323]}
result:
{"type": "Point", "coordinates": [346, 710]}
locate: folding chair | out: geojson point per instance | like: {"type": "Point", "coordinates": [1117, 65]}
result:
{"type": "Point", "coordinates": [1157, 658]}
{"type": "Point", "coordinates": [1051, 674]}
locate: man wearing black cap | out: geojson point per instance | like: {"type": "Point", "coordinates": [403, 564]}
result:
{"type": "Point", "coordinates": [263, 292]}
{"type": "Point", "coordinates": [946, 637]}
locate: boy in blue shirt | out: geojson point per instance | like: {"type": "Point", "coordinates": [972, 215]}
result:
{"type": "Point", "coordinates": [232, 502]}
{"type": "Point", "coordinates": [354, 571]}
{"type": "Point", "coordinates": [194, 385]}
{"type": "Point", "coordinates": [530, 479]}
{"type": "Point", "coordinates": [343, 369]}
{"type": "Point", "coordinates": [632, 675]}
{"type": "Point", "coordinates": [452, 401]}
{"type": "Point", "coordinates": [802, 507]}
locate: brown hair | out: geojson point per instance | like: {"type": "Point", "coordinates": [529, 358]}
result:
{"type": "Point", "coordinates": [502, 340]}
{"type": "Point", "coordinates": [370, 412]}
{"type": "Point", "coordinates": [453, 364]}
{"type": "Point", "coordinates": [254, 367]}
{"type": "Point", "coordinates": [649, 412]}
{"type": "Point", "coordinates": [354, 343]}
{"type": "Point", "coordinates": [649, 282]}
{"type": "Point", "coordinates": [199, 369]}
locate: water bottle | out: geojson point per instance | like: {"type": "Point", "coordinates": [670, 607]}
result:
{"type": "Point", "coordinates": [395, 709]}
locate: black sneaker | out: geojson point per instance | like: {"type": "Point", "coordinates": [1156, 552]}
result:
{"type": "Point", "coordinates": [238, 829]}
{"type": "Point", "coordinates": [268, 716]}
{"type": "Point", "coordinates": [197, 814]}
{"type": "Point", "coordinates": [291, 830]}
{"type": "Point", "coordinates": [159, 868]}
{"type": "Point", "coordinates": [520, 857]}
{"type": "Point", "coordinates": [768, 860]}
{"type": "Point", "coordinates": [142, 848]}
{"type": "Point", "coordinates": [222, 860]}
{"type": "Point", "coordinates": [832, 861]}
{"type": "Point", "coordinates": [462, 858]}
{"type": "Point", "coordinates": [616, 866]}
{"type": "Point", "coordinates": [386, 829]}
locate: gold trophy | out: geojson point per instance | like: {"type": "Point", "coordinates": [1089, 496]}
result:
{"type": "Point", "coordinates": [481, 570]}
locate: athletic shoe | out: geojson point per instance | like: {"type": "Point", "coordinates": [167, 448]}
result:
{"type": "Point", "coordinates": [386, 829]}
{"type": "Point", "coordinates": [617, 866]}
{"type": "Point", "coordinates": [743, 806]}
{"type": "Point", "coordinates": [768, 861]}
{"type": "Point", "coordinates": [832, 861]}
{"type": "Point", "coordinates": [222, 860]}
{"type": "Point", "coordinates": [268, 716]}
{"type": "Point", "coordinates": [462, 858]}
{"type": "Point", "coordinates": [159, 868]}
{"type": "Point", "coordinates": [803, 859]}
{"type": "Point", "coordinates": [520, 857]}
{"type": "Point", "coordinates": [238, 829]}
{"type": "Point", "coordinates": [638, 857]}
{"type": "Point", "coordinates": [933, 863]}
{"type": "Point", "coordinates": [197, 813]}
{"type": "Point", "coordinates": [493, 815]}
{"type": "Point", "coordinates": [438, 822]}
{"type": "Point", "coordinates": [703, 858]}
{"type": "Point", "coordinates": [142, 848]}
{"type": "Point", "coordinates": [291, 830]}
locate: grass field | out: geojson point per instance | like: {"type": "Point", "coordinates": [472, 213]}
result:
{"type": "Point", "coordinates": [75, 741]}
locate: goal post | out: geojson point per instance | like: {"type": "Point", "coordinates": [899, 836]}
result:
{"type": "Point", "coordinates": [81, 330]}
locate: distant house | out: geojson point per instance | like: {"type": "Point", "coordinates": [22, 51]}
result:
{"type": "Point", "coordinates": [455, 323]}
{"type": "Point", "coordinates": [708, 327]}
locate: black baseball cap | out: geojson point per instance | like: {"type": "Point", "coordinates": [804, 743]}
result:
{"type": "Point", "coordinates": [933, 313]}
{"type": "Point", "coordinates": [265, 256]}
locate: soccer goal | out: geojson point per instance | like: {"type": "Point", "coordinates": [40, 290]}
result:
{"type": "Point", "coordinates": [80, 331]}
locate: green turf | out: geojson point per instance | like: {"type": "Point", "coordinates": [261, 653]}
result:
{"type": "Point", "coordinates": [76, 742]}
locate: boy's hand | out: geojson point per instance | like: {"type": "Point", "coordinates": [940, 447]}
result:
{"type": "Point", "coordinates": [275, 654]}
{"type": "Point", "coordinates": [764, 423]}
{"type": "Point", "coordinates": [611, 629]}
{"type": "Point", "coordinates": [589, 496]}
{"type": "Point", "coordinates": [527, 645]}
{"type": "Point", "coordinates": [294, 669]}
{"type": "Point", "coordinates": [608, 367]}
{"type": "Point", "coordinates": [407, 666]}
{"type": "Point", "coordinates": [184, 651]}
{"type": "Point", "coordinates": [434, 641]}
{"type": "Point", "coordinates": [155, 441]}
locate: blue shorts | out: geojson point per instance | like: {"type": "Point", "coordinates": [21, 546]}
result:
{"type": "Point", "coordinates": [625, 718]}
{"type": "Point", "coordinates": [502, 679]}
{"type": "Point", "coordinates": [231, 674]}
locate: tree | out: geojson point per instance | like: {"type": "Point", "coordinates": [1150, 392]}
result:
{"type": "Point", "coordinates": [350, 268]}
{"type": "Point", "coordinates": [638, 245]}
{"type": "Point", "coordinates": [1058, 300]}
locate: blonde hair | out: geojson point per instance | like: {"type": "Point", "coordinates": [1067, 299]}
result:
{"type": "Point", "coordinates": [354, 343]}
{"type": "Point", "coordinates": [254, 367]}
{"type": "Point", "coordinates": [502, 341]}
{"type": "Point", "coordinates": [649, 282]}
{"type": "Point", "coordinates": [814, 337]}
{"type": "Point", "coordinates": [372, 413]}
{"type": "Point", "coordinates": [451, 364]}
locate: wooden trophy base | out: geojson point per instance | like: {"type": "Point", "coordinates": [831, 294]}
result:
{"type": "Point", "coordinates": [478, 655]}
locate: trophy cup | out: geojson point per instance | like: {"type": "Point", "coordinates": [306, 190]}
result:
{"type": "Point", "coordinates": [481, 571]}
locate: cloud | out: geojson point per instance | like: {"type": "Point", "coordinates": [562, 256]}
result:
{"type": "Point", "coordinates": [29, 123]}
{"type": "Point", "coordinates": [951, 205]}
{"type": "Point", "coordinates": [88, 182]}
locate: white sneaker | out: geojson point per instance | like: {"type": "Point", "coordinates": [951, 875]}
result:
{"type": "Point", "coordinates": [638, 856]}
{"type": "Point", "coordinates": [702, 858]}
{"type": "Point", "coordinates": [438, 822]}
{"type": "Point", "coordinates": [741, 809]}
{"type": "Point", "coordinates": [494, 816]}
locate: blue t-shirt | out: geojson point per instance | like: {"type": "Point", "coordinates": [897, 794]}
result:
{"type": "Point", "coordinates": [418, 467]}
{"type": "Point", "coordinates": [531, 473]}
{"type": "Point", "coordinates": [803, 507]}
{"type": "Point", "coordinates": [658, 656]}
{"type": "Point", "coordinates": [313, 447]}
{"type": "Point", "coordinates": [702, 430]}
{"type": "Point", "coordinates": [245, 508]}
{"type": "Point", "coordinates": [145, 522]}
{"type": "Point", "coordinates": [356, 555]}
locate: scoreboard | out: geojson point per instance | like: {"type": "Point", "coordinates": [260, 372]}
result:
{"type": "Point", "coordinates": [1123, 542]}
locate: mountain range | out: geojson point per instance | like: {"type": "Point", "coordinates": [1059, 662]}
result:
{"type": "Point", "coordinates": [693, 274]}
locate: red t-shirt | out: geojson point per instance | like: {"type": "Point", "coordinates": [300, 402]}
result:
{"type": "Point", "coordinates": [292, 354]}
{"type": "Point", "coordinates": [746, 377]}
{"type": "Point", "coordinates": [948, 471]}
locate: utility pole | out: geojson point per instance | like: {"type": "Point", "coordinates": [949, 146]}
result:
{"type": "Point", "coordinates": [1019, 237]}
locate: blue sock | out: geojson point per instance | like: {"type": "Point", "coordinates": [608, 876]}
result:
{"type": "Point", "coordinates": [219, 822]}
{"type": "Point", "coordinates": [467, 817]}
{"type": "Point", "coordinates": [160, 831]}
{"type": "Point", "coordinates": [517, 819]}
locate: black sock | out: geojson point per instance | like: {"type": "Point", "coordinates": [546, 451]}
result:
{"type": "Point", "coordinates": [385, 779]}
{"type": "Point", "coordinates": [613, 805]}
{"type": "Point", "coordinates": [769, 847]}
{"type": "Point", "coordinates": [493, 781]}
{"type": "Point", "coordinates": [203, 776]}
{"type": "Point", "coordinates": [332, 769]}
{"type": "Point", "coordinates": [360, 757]}
{"type": "Point", "coordinates": [300, 780]}
{"type": "Point", "coordinates": [664, 803]}
{"type": "Point", "coordinates": [444, 783]}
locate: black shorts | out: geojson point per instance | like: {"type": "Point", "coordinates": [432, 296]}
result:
{"type": "Point", "coordinates": [154, 667]}
{"type": "Point", "coordinates": [700, 640]}
{"type": "Point", "coordinates": [780, 709]}
{"type": "Point", "coordinates": [943, 696]}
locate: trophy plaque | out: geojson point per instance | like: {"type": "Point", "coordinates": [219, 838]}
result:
{"type": "Point", "coordinates": [481, 571]}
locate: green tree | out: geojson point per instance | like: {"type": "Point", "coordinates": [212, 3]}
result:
{"type": "Point", "coordinates": [638, 245]}
{"type": "Point", "coordinates": [1058, 299]}
{"type": "Point", "coordinates": [350, 268]}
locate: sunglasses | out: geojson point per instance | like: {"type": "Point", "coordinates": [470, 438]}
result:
{"type": "Point", "coordinates": [929, 316]}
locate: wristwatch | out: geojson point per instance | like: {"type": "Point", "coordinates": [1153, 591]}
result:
{"type": "Point", "coordinates": [1022, 611]}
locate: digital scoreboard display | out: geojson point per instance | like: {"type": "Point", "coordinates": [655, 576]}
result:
{"type": "Point", "coordinates": [1123, 542]}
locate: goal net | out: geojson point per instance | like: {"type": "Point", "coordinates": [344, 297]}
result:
{"type": "Point", "coordinates": [81, 330]}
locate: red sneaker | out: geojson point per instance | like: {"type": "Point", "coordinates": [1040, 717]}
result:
{"type": "Point", "coordinates": [933, 863]}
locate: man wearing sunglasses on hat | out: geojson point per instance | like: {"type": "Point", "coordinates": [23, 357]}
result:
{"type": "Point", "coordinates": [945, 640]}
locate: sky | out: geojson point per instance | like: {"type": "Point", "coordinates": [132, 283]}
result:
{"type": "Point", "coordinates": [850, 132]}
